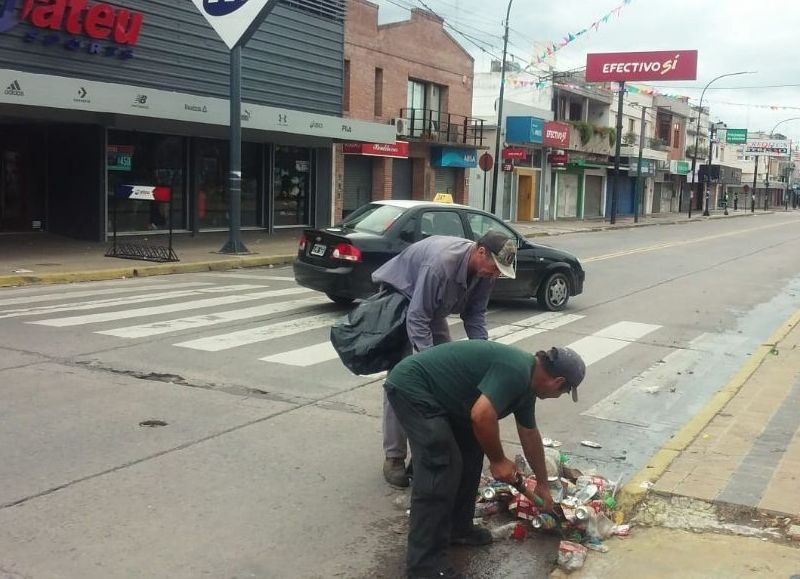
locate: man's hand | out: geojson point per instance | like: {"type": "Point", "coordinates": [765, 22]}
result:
{"type": "Point", "coordinates": [542, 491]}
{"type": "Point", "coordinates": [503, 470]}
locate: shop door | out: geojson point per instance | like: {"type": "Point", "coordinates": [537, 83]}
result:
{"type": "Point", "coordinates": [357, 182]}
{"type": "Point", "coordinates": [593, 197]}
{"type": "Point", "coordinates": [657, 198]}
{"type": "Point", "coordinates": [446, 180]}
{"type": "Point", "coordinates": [525, 198]}
{"type": "Point", "coordinates": [567, 195]}
{"type": "Point", "coordinates": [21, 199]}
{"type": "Point", "coordinates": [402, 179]}
{"type": "Point", "coordinates": [625, 194]}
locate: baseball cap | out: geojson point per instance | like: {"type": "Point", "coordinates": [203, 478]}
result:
{"type": "Point", "coordinates": [566, 363]}
{"type": "Point", "coordinates": [503, 250]}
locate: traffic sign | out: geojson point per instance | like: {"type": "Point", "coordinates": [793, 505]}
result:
{"type": "Point", "coordinates": [486, 162]}
{"type": "Point", "coordinates": [736, 136]}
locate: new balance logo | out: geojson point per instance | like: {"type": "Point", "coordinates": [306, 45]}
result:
{"type": "Point", "coordinates": [14, 89]}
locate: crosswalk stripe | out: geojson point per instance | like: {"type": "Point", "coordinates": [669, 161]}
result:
{"type": "Point", "coordinates": [545, 326]}
{"type": "Point", "coordinates": [255, 335]}
{"type": "Point", "coordinates": [610, 340]}
{"type": "Point", "coordinates": [35, 299]}
{"type": "Point", "coordinates": [115, 302]}
{"type": "Point", "coordinates": [165, 309]}
{"type": "Point", "coordinates": [265, 277]}
{"type": "Point", "coordinates": [315, 354]}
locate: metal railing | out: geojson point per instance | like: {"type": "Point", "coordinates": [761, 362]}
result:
{"type": "Point", "coordinates": [439, 127]}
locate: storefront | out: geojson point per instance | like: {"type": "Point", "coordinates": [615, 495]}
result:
{"type": "Point", "coordinates": [580, 184]}
{"type": "Point", "coordinates": [523, 160]}
{"type": "Point", "coordinates": [450, 167]}
{"type": "Point", "coordinates": [83, 113]}
{"type": "Point", "coordinates": [365, 169]}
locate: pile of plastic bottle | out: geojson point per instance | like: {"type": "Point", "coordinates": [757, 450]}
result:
{"type": "Point", "coordinates": [584, 513]}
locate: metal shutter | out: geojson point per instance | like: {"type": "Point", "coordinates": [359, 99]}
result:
{"type": "Point", "coordinates": [402, 179]}
{"type": "Point", "coordinates": [357, 182]}
{"type": "Point", "coordinates": [446, 180]}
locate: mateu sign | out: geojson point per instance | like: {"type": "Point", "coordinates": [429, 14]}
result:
{"type": "Point", "coordinates": [639, 66]}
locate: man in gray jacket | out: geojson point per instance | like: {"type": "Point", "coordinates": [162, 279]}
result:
{"type": "Point", "coordinates": [440, 276]}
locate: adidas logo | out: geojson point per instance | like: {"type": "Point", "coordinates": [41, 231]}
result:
{"type": "Point", "coordinates": [14, 89]}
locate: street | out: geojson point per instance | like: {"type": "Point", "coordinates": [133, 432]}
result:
{"type": "Point", "coordinates": [267, 462]}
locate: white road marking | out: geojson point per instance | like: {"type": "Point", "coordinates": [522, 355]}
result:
{"type": "Point", "coordinates": [115, 302]}
{"type": "Point", "coordinates": [165, 309]}
{"type": "Point", "coordinates": [67, 295]}
{"type": "Point", "coordinates": [518, 331]}
{"type": "Point", "coordinates": [316, 354]}
{"type": "Point", "coordinates": [610, 340]}
{"type": "Point", "coordinates": [255, 335]}
{"type": "Point", "coordinates": [265, 277]}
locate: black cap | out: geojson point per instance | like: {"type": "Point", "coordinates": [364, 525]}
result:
{"type": "Point", "coordinates": [566, 363]}
{"type": "Point", "coordinates": [503, 250]}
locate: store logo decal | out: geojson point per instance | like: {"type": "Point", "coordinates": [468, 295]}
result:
{"type": "Point", "coordinates": [14, 89]}
{"type": "Point", "coordinates": [222, 7]}
{"type": "Point", "coordinates": [82, 94]}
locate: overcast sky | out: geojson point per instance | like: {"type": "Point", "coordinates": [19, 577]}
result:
{"type": "Point", "coordinates": [730, 35]}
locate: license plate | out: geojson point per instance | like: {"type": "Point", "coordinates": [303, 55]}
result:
{"type": "Point", "coordinates": [318, 249]}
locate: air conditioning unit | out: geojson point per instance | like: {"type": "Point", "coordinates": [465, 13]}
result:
{"type": "Point", "coordinates": [401, 126]}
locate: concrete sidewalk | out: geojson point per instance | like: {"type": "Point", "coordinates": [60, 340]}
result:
{"type": "Point", "coordinates": [724, 498]}
{"type": "Point", "coordinates": [46, 258]}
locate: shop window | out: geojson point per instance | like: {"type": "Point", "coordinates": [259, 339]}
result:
{"type": "Point", "coordinates": [292, 186]}
{"type": "Point", "coordinates": [211, 174]}
{"type": "Point", "coordinates": [346, 91]}
{"type": "Point", "coordinates": [147, 159]}
{"type": "Point", "coordinates": [378, 92]}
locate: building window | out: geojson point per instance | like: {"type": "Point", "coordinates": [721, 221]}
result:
{"type": "Point", "coordinates": [151, 160]}
{"type": "Point", "coordinates": [211, 175]}
{"type": "Point", "coordinates": [292, 186]}
{"type": "Point", "coordinates": [631, 126]}
{"type": "Point", "coordinates": [378, 92]}
{"type": "Point", "coordinates": [575, 111]}
{"type": "Point", "coordinates": [346, 103]}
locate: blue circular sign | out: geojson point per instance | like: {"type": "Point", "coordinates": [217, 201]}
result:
{"type": "Point", "coordinates": [222, 7]}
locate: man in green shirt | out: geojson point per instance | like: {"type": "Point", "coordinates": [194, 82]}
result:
{"type": "Point", "coordinates": [449, 400]}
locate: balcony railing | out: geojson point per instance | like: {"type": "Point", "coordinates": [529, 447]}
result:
{"type": "Point", "coordinates": [445, 128]}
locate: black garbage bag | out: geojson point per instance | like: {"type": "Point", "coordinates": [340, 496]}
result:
{"type": "Point", "coordinates": [372, 337]}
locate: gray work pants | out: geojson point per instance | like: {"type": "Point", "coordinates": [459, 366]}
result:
{"type": "Point", "coordinates": [395, 441]}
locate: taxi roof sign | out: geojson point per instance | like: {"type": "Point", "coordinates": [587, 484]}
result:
{"type": "Point", "coordinates": [443, 198]}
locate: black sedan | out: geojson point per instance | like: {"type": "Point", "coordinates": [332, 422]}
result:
{"type": "Point", "coordinates": [339, 261]}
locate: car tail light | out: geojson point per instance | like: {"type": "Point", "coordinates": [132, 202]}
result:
{"type": "Point", "coordinates": [346, 252]}
{"type": "Point", "coordinates": [303, 242]}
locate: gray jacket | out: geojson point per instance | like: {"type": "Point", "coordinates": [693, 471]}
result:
{"type": "Point", "coordinates": [433, 275]}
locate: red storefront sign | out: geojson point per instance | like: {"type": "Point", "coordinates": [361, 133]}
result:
{"type": "Point", "coordinates": [557, 159]}
{"type": "Point", "coordinates": [507, 166]}
{"type": "Point", "coordinates": [515, 153]}
{"type": "Point", "coordinates": [98, 21]}
{"type": "Point", "coordinates": [637, 66]}
{"type": "Point", "coordinates": [398, 149]}
{"type": "Point", "coordinates": [556, 135]}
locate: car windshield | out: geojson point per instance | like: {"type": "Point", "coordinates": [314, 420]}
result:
{"type": "Point", "coordinates": [373, 218]}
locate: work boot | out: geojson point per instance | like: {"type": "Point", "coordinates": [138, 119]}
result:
{"type": "Point", "coordinates": [394, 471]}
{"type": "Point", "coordinates": [474, 537]}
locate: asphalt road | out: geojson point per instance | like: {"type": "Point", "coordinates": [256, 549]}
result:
{"type": "Point", "coordinates": [269, 462]}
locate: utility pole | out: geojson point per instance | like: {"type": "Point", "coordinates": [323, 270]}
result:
{"type": "Point", "coordinates": [615, 185]}
{"type": "Point", "coordinates": [706, 192]}
{"type": "Point", "coordinates": [639, 170]}
{"type": "Point", "coordinates": [755, 183]}
{"type": "Point", "coordinates": [766, 180]}
{"type": "Point", "coordinates": [495, 172]}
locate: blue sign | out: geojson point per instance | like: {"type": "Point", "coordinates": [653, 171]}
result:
{"type": "Point", "coordinates": [524, 130]}
{"type": "Point", "coordinates": [7, 17]}
{"type": "Point", "coordinates": [447, 157]}
{"type": "Point", "coordinates": [222, 7]}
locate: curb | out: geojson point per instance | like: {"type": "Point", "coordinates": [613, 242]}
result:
{"type": "Point", "coordinates": [632, 494]}
{"type": "Point", "coordinates": [645, 224]}
{"type": "Point", "coordinates": [145, 271]}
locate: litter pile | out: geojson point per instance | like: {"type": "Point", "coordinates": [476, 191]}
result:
{"type": "Point", "coordinates": [584, 513]}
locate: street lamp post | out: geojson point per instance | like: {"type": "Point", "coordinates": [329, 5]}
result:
{"type": "Point", "coordinates": [495, 172]}
{"type": "Point", "coordinates": [707, 190]}
{"type": "Point", "coordinates": [697, 133]}
{"type": "Point", "coordinates": [772, 132]}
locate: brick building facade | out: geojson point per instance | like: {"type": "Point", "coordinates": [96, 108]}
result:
{"type": "Point", "coordinates": [411, 70]}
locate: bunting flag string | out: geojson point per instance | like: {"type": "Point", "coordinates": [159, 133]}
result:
{"type": "Point", "coordinates": [573, 36]}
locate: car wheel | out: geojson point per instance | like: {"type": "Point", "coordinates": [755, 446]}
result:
{"type": "Point", "coordinates": [341, 300]}
{"type": "Point", "coordinates": [554, 292]}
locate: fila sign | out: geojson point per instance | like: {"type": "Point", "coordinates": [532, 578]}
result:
{"type": "Point", "coordinates": [233, 20]}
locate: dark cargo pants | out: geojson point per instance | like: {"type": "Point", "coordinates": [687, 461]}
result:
{"type": "Point", "coordinates": [447, 468]}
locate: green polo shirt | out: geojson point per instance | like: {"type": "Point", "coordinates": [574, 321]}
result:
{"type": "Point", "coordinates": [452, 376]}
